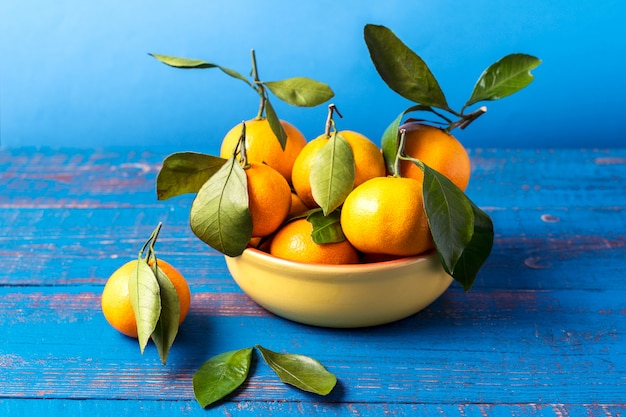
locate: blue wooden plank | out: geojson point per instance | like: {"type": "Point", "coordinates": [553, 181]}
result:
{"type": "Point", "coordinates": [52, 407]}
{"type": "Point", "coordinates": [541, 333]}
{"type": "Point", "coordinates": [553, 346]}
{"type": "Point", "coordinates": [533, 248]}
{"type": "Point", "coordinates": [500, 178]}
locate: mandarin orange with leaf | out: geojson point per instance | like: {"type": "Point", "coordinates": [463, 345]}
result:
{"type": "Point", "coordinates": [439, 150]}
{"type": "Point", "coordinates": [294, 242]}
{"type": "Point", "coordinates": [115, 300]}
{"type": "Point", "coordinates": [262, 145]}
{"type": "Point", "coordinates": [368, 163]}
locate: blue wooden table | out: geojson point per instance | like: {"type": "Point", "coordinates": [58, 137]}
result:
{"type": "Point", "coordinates": [543, 331]}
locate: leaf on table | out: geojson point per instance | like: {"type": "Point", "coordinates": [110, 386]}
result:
{"type": "Point", "coordinates": [326, 229]}
{"type": "Point", "coordinates": [332, 173]}
{"type": "Point", "coordinates": [300, 91]}
{"type": "Point", "coordinates": [221, 375]}
{"type": "Point", "coordinates": [300, 371]}
{"type": "Point", "coordinates": [275, 125]}
{"type": "Point", "coordinates": [167, 327]}
{"type": "Point", "coordinates": [503, 78]}
{"type": "Point", "coordinates": [402, 69]}
{"type": "Point", "coordinates": [185, 172]}
{"type": "Point", "coordinates": [220, 216]}
{"type": "Point", "coordinates": [450, 217]}
{"type": "Point", "coordinates": [191, 63]}
{"type": "Point", "coordinates": [145, 299]}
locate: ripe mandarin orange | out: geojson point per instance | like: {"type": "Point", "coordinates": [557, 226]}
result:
{"type": "Point", "coordinates": [368, 163]}
{"type": "Point", "coordinates": [297, 205]}
{"type": "Point", "coordinates": [294, 242]}
{"type": "Point", "coordinates": [385, 215]}
{"type": "Point", "coordinates": [116, 302]}
{"type": "Point", "coordinates": [269, 198]}
{"type": "Point", "coordinates": [439, 150]}
{"type": "Point", "coordinates": [262, 146]}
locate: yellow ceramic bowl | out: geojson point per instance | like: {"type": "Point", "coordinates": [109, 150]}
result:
{"type": "Point", "coordinates": [343, 295]}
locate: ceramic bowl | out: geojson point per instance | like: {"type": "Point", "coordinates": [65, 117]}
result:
{"type": "Point", "coordinates": [340, 295]}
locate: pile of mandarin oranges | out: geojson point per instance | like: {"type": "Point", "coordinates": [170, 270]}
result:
{"type": "Point", "coordinates": [382, 218]}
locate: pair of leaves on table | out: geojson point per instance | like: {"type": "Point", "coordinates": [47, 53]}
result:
{"type": "Point", "coordinates": [223, 373]}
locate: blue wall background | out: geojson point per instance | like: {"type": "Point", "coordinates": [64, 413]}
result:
{"type": "Point", "coordinates": [77, 73]}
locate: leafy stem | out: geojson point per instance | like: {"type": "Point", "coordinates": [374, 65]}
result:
{"type": "Point", "coordinates": [258, 86]}
{"type": "Point", "coordinates": [149, 244]}
{"type": "Point", "coordinates": [406, 73]}
{"type": "Point", "coordinates": [466, 119]}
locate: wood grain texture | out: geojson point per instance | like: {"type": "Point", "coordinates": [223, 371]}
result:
{"type": "Point", "coordinates": [541, 333]}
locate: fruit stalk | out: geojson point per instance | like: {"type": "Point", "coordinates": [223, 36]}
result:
{"type": "Point", "coordinates": [149, 245]}
{"type": "Point", "coordinates": [466, 120]}
{"type": "Point", "coordinates": [258, 86]}
{"type": "Point", "coordinates": [329, 120]}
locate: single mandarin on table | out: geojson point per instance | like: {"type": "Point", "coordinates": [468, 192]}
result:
{"type": "Point", "coordinates": [116, 301]}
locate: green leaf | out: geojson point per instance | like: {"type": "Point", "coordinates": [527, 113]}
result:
{"type": "Point", "coordinates": [275, 125]}
{"type": "Point", "coordinates": [326, 229]}
{"type": "Point", "coordinates": [402, 69]}
{"type": "Point", "coordinates": [167, 326]}
{"type": "Point", "coordinates": [450, 217]}
{"type": "Point", "coordinates": [185, 172]}
{"type": "Point", "coordinates": [300, 91]}
{"type": "Point", "coordinates": [332, 173]}
{"type": "Point", "coordinates": [503, 78]}
{"type": "Point", "coordinates": [477, 251]}
{"type": "Point", "coordinates": [145, 299]}
{"type": "Point", "coordinates": [220, 216]}
{"type": "Point", "coordinates": [221, 375]}
{"type": "Point", "coordinates": [190, 63]}
{"type": "Point", "coordinates": [300, 371]}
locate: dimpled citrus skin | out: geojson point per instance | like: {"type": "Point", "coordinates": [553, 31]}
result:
{"type": "Point", "coordinates": [115, 301]}
{"type": "Point", "coordinates": [437, 149]}
{"type": "Point", "coordinates": [385, 215]}
{"type": "Point", "coordinates": [269, 198]}
{"type": "Point", "coordinates": [263, 147]}
{"type": "Point", "coordinates": [368, 163]}
{"type": "Point", "coordinates": [294, 242]}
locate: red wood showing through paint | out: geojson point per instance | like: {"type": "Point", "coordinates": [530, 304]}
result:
{"type": "Point", "coordinates": [543, 331]}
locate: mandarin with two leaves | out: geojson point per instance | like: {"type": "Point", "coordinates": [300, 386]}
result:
{"type": "Point", "coordinates": [115, 300]}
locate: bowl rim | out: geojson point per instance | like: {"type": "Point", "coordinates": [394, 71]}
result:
{"type": "Point", "coordinates": [323, 270]}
